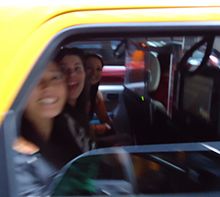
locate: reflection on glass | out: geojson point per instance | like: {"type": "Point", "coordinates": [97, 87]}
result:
{"type": "Point", "coordinates": [141, 173]}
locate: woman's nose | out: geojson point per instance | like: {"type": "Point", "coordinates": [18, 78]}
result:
{"type": "Point", "coordinates": [45, 84]}
{"type": "Point", "coordinates": [71, 74]}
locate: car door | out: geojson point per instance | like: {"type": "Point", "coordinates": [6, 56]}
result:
{"type": "Point", "coordinates": [41, 30]}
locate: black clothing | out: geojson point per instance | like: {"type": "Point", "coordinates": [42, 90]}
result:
{"type": "Point", "coordinates": [92, 99]}
{"type": "Point", "coordinates": [61, 146]}
{"type": "Point", "coordinates": [35, 172]}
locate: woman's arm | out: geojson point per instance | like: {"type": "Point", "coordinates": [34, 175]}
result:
{"type": "Point", "coordinates": [102, 115]}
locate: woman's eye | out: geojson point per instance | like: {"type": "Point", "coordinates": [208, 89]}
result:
{"type": "Point", "coordinates": [78, 68]}
{"type": "Point", "coordinates": [99, 69]}
{"type": "Point", "coordinates": [57, 77]}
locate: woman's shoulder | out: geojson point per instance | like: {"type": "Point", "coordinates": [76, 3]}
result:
{"type": "Point", "coordinates": [99, 95]}
{"type": "Point", "coordinates": [23, 146]}
{"type": "Point", "coordinates": [32, 170]}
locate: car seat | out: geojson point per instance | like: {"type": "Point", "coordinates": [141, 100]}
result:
{"type": "Point", "coordinates": [135, 112]}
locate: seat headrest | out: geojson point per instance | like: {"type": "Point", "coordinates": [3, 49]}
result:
{"type": "Point", "coordinates": [154, 72]}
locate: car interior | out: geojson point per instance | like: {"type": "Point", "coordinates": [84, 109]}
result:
{"type": "Point", "coordinates": [159, 89]}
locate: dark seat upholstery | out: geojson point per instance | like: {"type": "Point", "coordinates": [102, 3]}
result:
{"type": "Point", "coordinates": [137, 114]}
{"type": "Point", "coordinates": [198, 114]}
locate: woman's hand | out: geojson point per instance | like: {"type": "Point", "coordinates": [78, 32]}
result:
{"type": "Point", "coordinates": [99, 129]}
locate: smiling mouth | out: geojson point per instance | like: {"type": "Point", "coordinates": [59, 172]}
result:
{"type": "Point", "coordinates": [73, 84]}
{"type": "Point", "coordinates": [48, 101]}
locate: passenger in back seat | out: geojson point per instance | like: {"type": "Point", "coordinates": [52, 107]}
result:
{"type": "Point", "coordinates": [72, 62]}
{"type": "Point", "coordinates": [105, 134]}
{"type": "Point", "coordinates": [94, 64]}
{"type": "Point", "coordinates": [77, 108]}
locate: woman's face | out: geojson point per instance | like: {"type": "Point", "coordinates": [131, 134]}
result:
{"type": "Point", "coordinates": [75, 73]}
{"type": "Point", "coordinates": [94, 69]}
{"type": "Point", "coordinates": [48, 98]}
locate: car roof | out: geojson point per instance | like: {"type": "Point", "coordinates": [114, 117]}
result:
{"type": "Point", "coordinates": [45, 9]}
{"type": "Point", "coordinates": [96, 4]}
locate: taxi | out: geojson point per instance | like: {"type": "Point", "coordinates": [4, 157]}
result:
{"type": "Point", "coordinates": [186, 108]}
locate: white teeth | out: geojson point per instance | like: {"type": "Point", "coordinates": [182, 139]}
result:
{"type": "Point", "coordinates": [72, 83]}
{"type": "Point", "coordinates": [47, 100]}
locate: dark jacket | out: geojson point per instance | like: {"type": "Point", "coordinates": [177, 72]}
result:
{"type": "Point", "coordinates": [35, 171]}
{"type": "Point", "coordinates": [34, 174]}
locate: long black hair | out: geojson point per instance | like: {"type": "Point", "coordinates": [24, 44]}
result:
{"type": "Point", "coordinates": [80, 111]}
{"type": "Point", "coordinates": [93, 88]}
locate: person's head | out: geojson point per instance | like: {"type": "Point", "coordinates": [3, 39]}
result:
{"type": "Point", "coordinates": [49, 96]}
{"type": "Point", "coordinates": [71, 61]}
{"type": "Point", "coordinates": [94, 64]}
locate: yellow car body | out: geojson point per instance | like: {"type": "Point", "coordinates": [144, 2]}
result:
{"type": "Point", "coordinates": [27, 27]}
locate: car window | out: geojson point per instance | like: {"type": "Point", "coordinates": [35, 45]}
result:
{"type": "Point", "coordinates": [140, 171]}
{"type": "Point", "coordinates": [105, 48]}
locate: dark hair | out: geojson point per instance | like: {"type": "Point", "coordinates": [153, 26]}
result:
{"type": "Point", "coordinates": [70, 51]}
{"type": "Point", "coordinates": [93, 88]}
{"type": "Point", "coordinates": [94, 55]}
{"type": "Point", "coordinates": [61, 141]}
{"type": "Point", "coordinates": [79, 112]}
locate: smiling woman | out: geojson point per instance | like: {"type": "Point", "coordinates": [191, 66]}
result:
{"type": "Point", "coordinates": [71, 61]}
{"type": "Point", "coordinates": [94, 65]}
{"type": "Point", "coordinates": [47, 98]}
{"type": "Point", "coordinates": [40, 148]}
